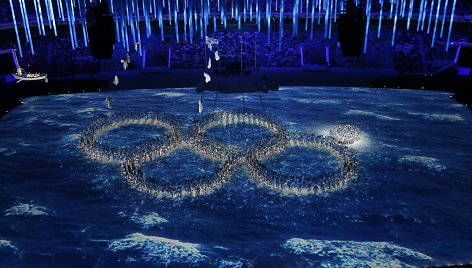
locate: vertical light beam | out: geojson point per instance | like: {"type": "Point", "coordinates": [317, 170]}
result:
{"type": "Point", "coordinates": [410, 13]}
{"type": "Point", "coordinates": [443, 19]}
{"type": "Point", "coordinates": [380, 17]}
{"type": "Point", "coordinates": [16, 29]}
{"type": "Point", "coordinates": [395, 23]}
{"type": "Point", "coordinates": [450, 25]}
{"type": "Point", "coordinates": [420, 15]}
{"type": "Point", "coordinates": [281, 23]}
{"type": "Point", "coordinates": [430, 15]}
{"type": "Point", "coordinates": [295, 18]}
{"type": "Point", "coordinates": [436, 23]}
{"type": "Point", "coordinates": [312, 18]}
{"type": "Point", "coordinates": [369, 3]}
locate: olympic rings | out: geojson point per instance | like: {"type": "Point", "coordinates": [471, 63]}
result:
{"type": "Point", "coordinates": [232, 157]}
{"type": "Point", "coordinates": [217, 150]}
{"type": "Point", "coordinates": [197, 186]}
{"type": "Point", "coordinates": [304, 186]}
{"type": "Point", "coordinates": [153, 149]}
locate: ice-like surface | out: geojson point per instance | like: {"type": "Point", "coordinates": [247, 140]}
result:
{"type": "Point", "coordinates": [316, 101]}
{"type": "Point", "coordinates": [371, 114]}
{"type": "Point", "coordinates": [159, 249]}
{"type": "Point", "coordinates": [26, 210]}
{"type": "Point", "coordinates": [231, 264]}
{"type": "Point", "coordinates": [440, 117]}
{"type": "Point", "coordinates": [413, 184]}
{"type": "Point", "coordinates": [305, 162]}
{"type": "Point", "coordinates": [90, 110]}
{"type": "Point", "coordinates": [170, 94]}
{"type": "Point", "coordinates": [7, 245]}
{"type": "Point", "coordinates": [149, 220]}
{"type": "Point", "coordinates": [342, 253]}
{"type": "Point", "coordinates": [429, 162]}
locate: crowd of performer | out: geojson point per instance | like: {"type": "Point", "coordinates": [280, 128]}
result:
{"type": "Point", "coordinates": [231, 157]}
{"type": "Point", "coordinates": [298, 185]}
{"type": "Point", "coordinates": [144, 151]}
{"type": "Point", "coordinates": [345, 133]}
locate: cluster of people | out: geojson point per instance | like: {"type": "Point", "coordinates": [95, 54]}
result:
{"type": "Point", "coordinates": [175, 189]}
{"type": "Point", "coordinates": [217, 150]}
{"type": "Point", "coordinates": [55, 56]}
{"type": "Point", "coordinates": [231, 156]}
{"type": "Point", "coordinates": [144, 151]}
{"type": "Point", "coordinates": [5, 12]}
{"type": "Point", "coordinates": [407, 52]}
{"type": "Point", "coordinates": [345, 133]}
{"type": "Point", "coordinates": [300, 185]}
{"type": "Point", "coordinates": [250, 47]}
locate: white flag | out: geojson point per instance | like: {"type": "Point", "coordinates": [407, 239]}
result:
{"type": "Point", "coordinates": [200, 106]}
{"type": "Point", "coordinates": [125, 64]}
{"type": "Point", "coordinates": [217, 57]}
{"type": "Point", "coordinates": [210, 42]}
{"type": "Point", "coordinates": [209, 64]}
{"type": "Point", "coordinates": [207, 77]}
{"type": "Point", "coordinates": [108, 102]}
{"type": "Point", "coordinates": [116, 81]}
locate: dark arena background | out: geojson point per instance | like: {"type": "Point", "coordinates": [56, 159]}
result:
{"type": "Point", "coordinates": [235, 133]}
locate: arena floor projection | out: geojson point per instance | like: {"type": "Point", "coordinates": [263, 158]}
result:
{"type": "Point", "coordinates": [303, 176]}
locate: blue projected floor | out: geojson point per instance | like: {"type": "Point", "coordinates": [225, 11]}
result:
{"type": "Point", "coordinates": [409, 202]}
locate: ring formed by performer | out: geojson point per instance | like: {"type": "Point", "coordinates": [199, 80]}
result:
{"type": "Point", "coordinates": [232, 157]}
